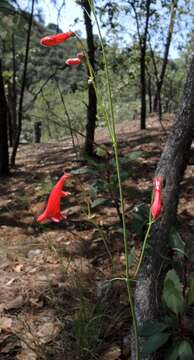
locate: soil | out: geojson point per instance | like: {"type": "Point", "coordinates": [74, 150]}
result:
{"type": "Point", "coordinates": [56, 300]}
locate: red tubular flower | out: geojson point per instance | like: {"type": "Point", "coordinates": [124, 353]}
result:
{"type": "Point", "coordinates": [52, 210]}
{"type": "Point", "coordinates": [156, 207]}
{"type": "Point", "coordinates": [73, 61]}
{"type": "Point", "coordinates": [53, 40]}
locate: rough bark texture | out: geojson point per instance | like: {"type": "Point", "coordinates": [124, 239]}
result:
{"type": "Point", "coordinates": [4, 155]}
{"type": "Point", "coordinates": [92, 101]}
{"type": "Point", "coordinates": [171, 168]}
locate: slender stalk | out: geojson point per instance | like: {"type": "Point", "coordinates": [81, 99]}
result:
{"type": "Point", "coordinates": [150, 223]}
{"type": "Point", "coordinates": [111, 122]}
{"type": "Point", "coordinates": [68, 118]}
{"type": "Point", "coordinates": [144, 246]}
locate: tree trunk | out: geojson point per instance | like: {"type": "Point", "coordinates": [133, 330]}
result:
{"type": "Point", "coordinates": [171, 168]}
{"type": "Point", "coordinates": [4, 155]}
{"type": "Point", "coordinates": [143, 47]}
{"type": "Point", "coordinates": [92, 101]}
{"type": "Point", "coordinates": [150, 92]}
{"type": "Point", "coordinates": [143, 90]}
{"type": "Point", "coordinates": [20, 110]}
{"type": "Point", "coordinates": [37, 132]}
{"type": "Point", "coordinates": [157, 99]}
{"type": "Point", "coordinates": [14, 90]}
{"type": "Point", "coordinates": [10, 128]}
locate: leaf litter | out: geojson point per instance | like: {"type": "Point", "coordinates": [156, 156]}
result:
{"type": "Point", "coordinates": [45, 270]}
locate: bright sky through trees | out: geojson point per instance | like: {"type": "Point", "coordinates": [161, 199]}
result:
{"type": "Point", "coordinates": [53, 12]}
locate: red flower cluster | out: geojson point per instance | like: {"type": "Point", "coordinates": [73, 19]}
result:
{"type": "Point", "coordinates": [156, 207]}
{"type": "Point", "coordinates": [52, 210]}
{"type": "Point", "coordinates": [57, 39]}
{"type": "Point", "coordinates": [73, 61]}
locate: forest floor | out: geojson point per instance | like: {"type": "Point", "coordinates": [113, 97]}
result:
{"type": "Point", "coordinates": [55, 298]}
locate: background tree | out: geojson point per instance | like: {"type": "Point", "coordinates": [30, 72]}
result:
{"type": "Point", "coordinates": [161, 75]}
{"type": "Point", "coordinates": [141, 10]}
{"type": "Point", "coordinates": [4, 156]}
{"type": "Point", "coordinates": [92, 100]}
{"type": "Point", "coordinates": [20, 107]}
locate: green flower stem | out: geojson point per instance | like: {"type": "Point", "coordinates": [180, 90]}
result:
{"type": "Point", "coordinates": [112, 132]}
{"type": "Point", "coordinates": [144, 246]}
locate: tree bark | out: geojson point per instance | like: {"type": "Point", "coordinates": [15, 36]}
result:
{"type": "Point", "coordinates": [92, 100]}
{"type": "Point", "coordinates": [20, 110]}
{"type": "Point", "coordinates": [171, 168]}
{"type": "Point", "coordinates": [157, 99]}
{"type": "Point", "coordinates": [143, 90]}
{"type": "Point", "coordinates": [150, 92]}
{"type": "Point", "coordinates": [14, 90]}
{"type": "Point", "coordinates": [143, 46]}
{"type": "Point", "coordinates": [4, 154]}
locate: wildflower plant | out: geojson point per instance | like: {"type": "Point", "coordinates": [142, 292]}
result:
{"type": "Point", "coordinates": [52, 210]}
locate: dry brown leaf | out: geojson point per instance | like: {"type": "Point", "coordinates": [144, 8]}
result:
{"type": "Point", "coordinates": [2, 307]}
{"type": "Point", "coordinates": [5, 323]}
{"type": "Point", "coordinates": [18, 268]}
{"type": "Point", "coordinates": [27, 355]}
{"type": "Point", "coordinates": [47, 332]}
{"type": "Point", "coordinates": [16, 303]}
{"type": "Point", "coordinates": [36, 302]}
{"type": "Point", "coordinates": [113, 353]}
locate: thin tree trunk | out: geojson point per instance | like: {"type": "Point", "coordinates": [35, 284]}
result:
{"type": "Point", "coordinates": [20, 110]}
{"type": "Point", "coordinates": [157, 100]}
{"type": "Point", "coordinates": [92, 100]}
{"type": "Point", "coordinates": [150, 92]}
{"type": "Point", "coordinates": [4, 154]}
{"type": "Point", "coordinates": [171, 168]}
{"type": "Point", "coordinates": [14, 90]}
{"type": "Point", "coordinates": [143, 48]}
{"type": "Point", "coordinates": [143, 89]}
{"type": "Point", "coordinates": [10, 128]}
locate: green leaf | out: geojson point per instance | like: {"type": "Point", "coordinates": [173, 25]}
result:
{"type": "Point", "coordinates": [93, 191]}
{"type": "Point", "coordinates": [124, 175]}
{"type": "Point", "coordinates": [191, 296]}
{"type": "Point", "coordinates": [176, 242]}
{"type": "Point", "coordinates": [173, 298]}
{"type": "Point", "coordinates": [155, 341]}
{"type": "Point", "coordinates": [171, 321]}
{"type": "Point", "coordinates": [172, 292]}
{"type": "Point", "coordinates": [98, 202]}
{"type": "Point", "coordinates": [174, 278]}
{"type": "Point", "coordinates": [185, 351]}
{"type": "Point", "coordinates": [191, 257]}
{"type": "Point", "coordinates": [131, 156]}
{"type": "Point", "coordinates": [151, 328]}
{"type": "Point", "coordinates": [101, 152]}
{"type": "Point", "coordinates": [172, 353]}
